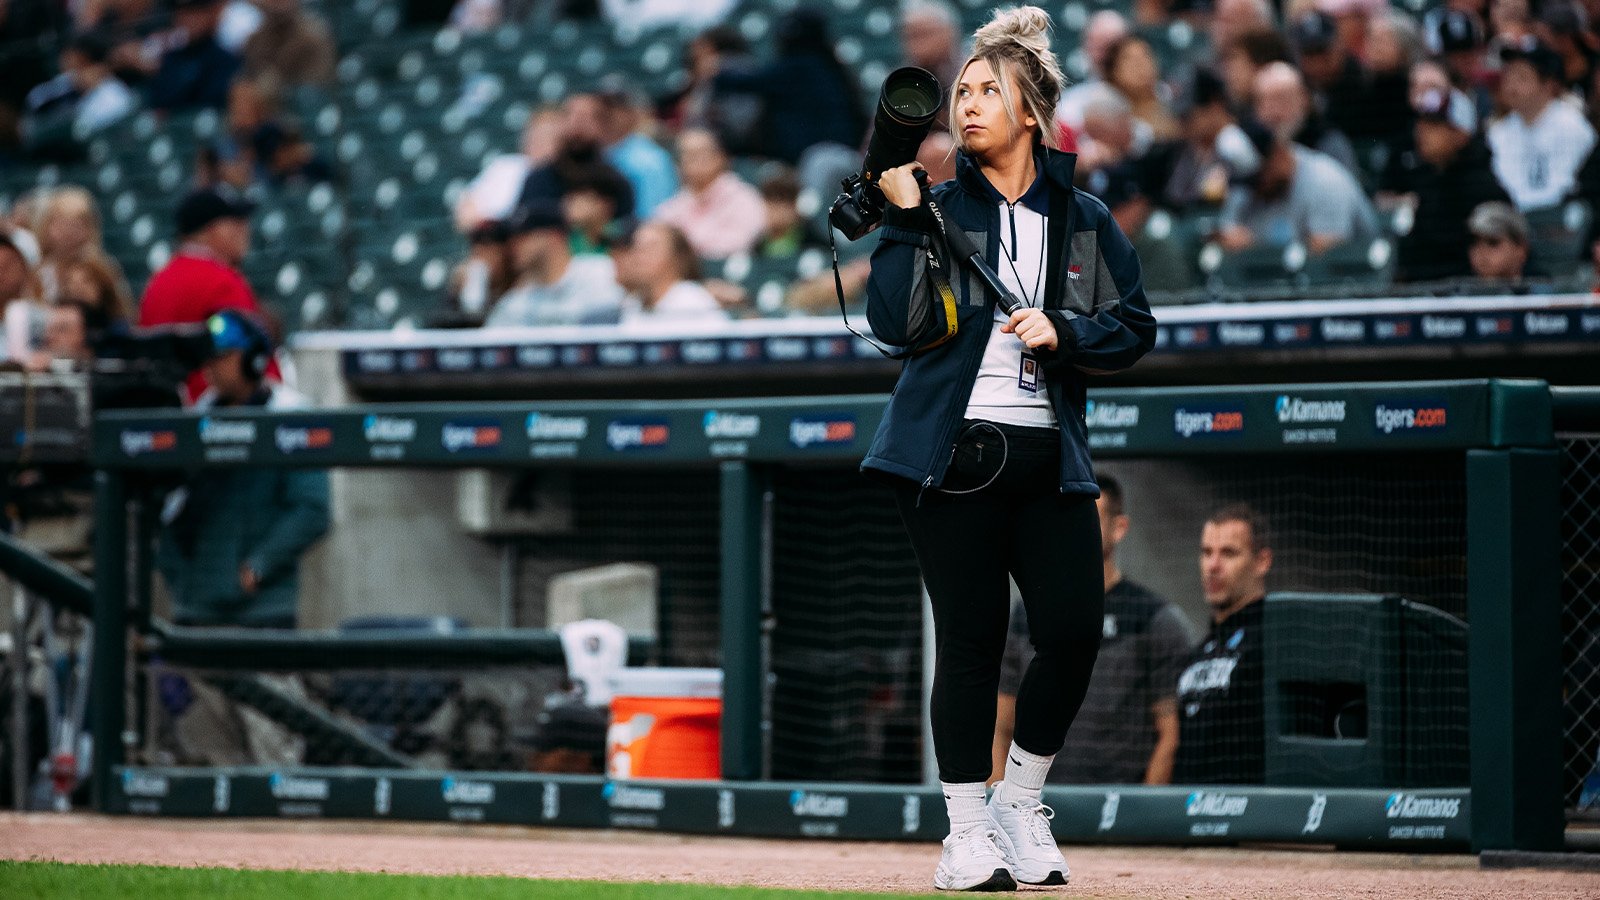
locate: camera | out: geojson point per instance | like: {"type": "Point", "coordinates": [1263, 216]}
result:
{"type": "Point", "coordinates": [144, 368]}
{"type": "Point", "coordinates": [906, 109]}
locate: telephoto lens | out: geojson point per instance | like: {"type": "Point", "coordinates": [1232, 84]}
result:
{"type": "Point", "coordinates": [906, 109]}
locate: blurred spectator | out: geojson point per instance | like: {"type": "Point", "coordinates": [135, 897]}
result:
{"type": "Point", "coordinates": [1466, 50]}
{"type": "Point", "coordinates": [1294, 194]}
{"type": "Point", "coordinates": [785, 233]}
{"type": "Point", "coordinates": [1393, 47]}
{"type": "Point", "coordinates": [1108, 159]}
{"type": "Point", "coordinates": [135, 29]}
{"type": "Point", "coordinates": [30, 32]}
{"type": "Point", "coordinates": [1353, 19]}
{"type": "Point", "coordinates": [1232, 18]}
{"type": "Point", "coordinates": [1221, 706]}
{"type": "Point", "coordinates": [203, 277]}
{"type": "Point", "coordinates": [196, 72]}
{"type": "Point", "coordinates": [735, 116]}
{"type": "Point", "coordinates": [70, 332]}
{"type": "Point", "coordinates": [484, 275]}
{"type": "Point", "coordinates": [1510, 23]}
{"type": "Point", "coordinates": [580, 148]}
{"type": "Point", "coordinates": [551, 286]}
{"type": "Point", "coordinates": [492, 195]}
{"type": "Point", "coordinates": [1191, 177]}
{"type": "Point", "coordinates": [231, 539]}
{"type": "Point", "coordinates": [22, 315]}
{"type": "Point", "coordinates": [1335, 76]}
{"type": "Point", "coordinates": [1564, 29]}
{"type": "Point", "coordinates": [817, 295]}
{"type": "Point", "coordinates": [1499, 244]}
{"type": "Point", "coordinates": [1241, 58]}
{"type": "Point", "coordinates": [645, 163]}
{"type": "Point", "coordinates": [590, 207]}
{"type": "Point", "coordinates": [1283, 104]}
{"type": "Point", "coordinates": [1542, 141]}
{"type": "Point", "coordinates": [69, 230]}
{"type": "Point", "coordinates": [930, 36]}
{"type": "Point", "coordinates": [1447, 176]}
{"type": "Point", "coordinates": [292, 46]}
{"type": "Point", "coordinates": [659, 271]}
{"type": "Point", "coordinates": [85, 98]}
{"type": "Point", "coordinates": [683, 14]}
{"type": "Point", "coordinates": [717, 210]}
{"type": "Point", "coordinates": [94, 283]}
{"type": "Point", "coordinates": [1103, 29]}
{"type": "Point", "coordinates": [1131, 69]}
{"type": "Point", "coordinates": [259, 148]}
{"type": "Point", "coordinates": [809, 97]}
{"type": "Point", "coordinates": [1127, 729]}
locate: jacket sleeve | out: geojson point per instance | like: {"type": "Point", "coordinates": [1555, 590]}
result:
{"type": "Point", "coordinates": [302, 519]}
{"type": "Point", "coordinates": [897, 286]}
{"type": "Point", "coordinates": [1121, 329]}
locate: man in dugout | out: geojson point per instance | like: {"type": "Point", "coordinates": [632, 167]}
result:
{"type": "Point", "coordinates": [1221, 712]}
{"type": "Point", "coordinates": [1127, 730]}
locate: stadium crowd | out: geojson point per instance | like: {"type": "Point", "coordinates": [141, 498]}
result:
{"type": "Point", "coordinates": [1458, 137]}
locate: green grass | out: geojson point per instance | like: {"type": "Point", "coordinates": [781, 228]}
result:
{"type": "Point", "coordinates": [61, 881]}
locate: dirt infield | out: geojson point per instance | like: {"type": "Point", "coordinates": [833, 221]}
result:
{"type": "Point", "coordinates": [1144, 873]}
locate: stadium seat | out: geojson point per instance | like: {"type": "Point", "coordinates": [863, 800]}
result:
{"type": "Point", "coordinates": [1166, 247]}
{"type": "Point", "coordinates": [1557, 238]}
{"type": "Point", "coordinates": [1255, 267]}
{"type": "Point", "coordinates": [1355, 267]}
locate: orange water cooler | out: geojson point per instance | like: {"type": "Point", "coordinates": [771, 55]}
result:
{"type": "Point", "coordinates": [665, 723]}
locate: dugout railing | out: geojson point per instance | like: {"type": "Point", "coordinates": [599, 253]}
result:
{"type": "Point", "coordinates": [1459, 504]}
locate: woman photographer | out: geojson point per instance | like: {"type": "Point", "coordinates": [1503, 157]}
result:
{"type": "Point", "coordinates": [984, 439]}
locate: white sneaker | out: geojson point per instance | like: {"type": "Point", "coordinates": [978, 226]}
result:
{"type": "Point", "coordinates": [1025, 840]}
{"type": "Point", "coordinates": [971, 861]}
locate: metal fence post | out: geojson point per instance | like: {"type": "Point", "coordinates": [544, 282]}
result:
{"type": "Point", "coordinates": [107, 698]}
{"type": "Point", "coordinates": [743, 666]}
{"type": "Point", "coordinates": [1514, 607]}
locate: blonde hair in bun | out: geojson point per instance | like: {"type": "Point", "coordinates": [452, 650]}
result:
{"type": "Point", "coordinates": [1016, 45]}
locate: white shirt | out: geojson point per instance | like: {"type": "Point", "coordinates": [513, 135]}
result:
{"type": "Point", "coordinates": [587, 291]}
{"type": "Point", "coordinates": [997, 395]}
{"type": "Point", "coordinates": [1537, 162]}
{"type": "Point", "coordinates": [494, 192]}
{"type": "Point", "coordinates": [686, 302]}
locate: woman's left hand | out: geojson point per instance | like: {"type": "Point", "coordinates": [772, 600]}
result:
{"type": "Point", "coordinates": [1034, 327]}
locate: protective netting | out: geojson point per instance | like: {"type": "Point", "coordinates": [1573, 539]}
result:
{"type": "Point", "coordinates": [1358, 680]}
{"type": "Point", "coordinates": [847, 640]}
{"type": "Point", "coordinates": [479, 719]}
{"type": "Point", "coordinates": [1580, 619]}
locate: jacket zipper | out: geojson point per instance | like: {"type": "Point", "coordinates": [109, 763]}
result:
{"type": "Point", "coordinates": [1011, 210]}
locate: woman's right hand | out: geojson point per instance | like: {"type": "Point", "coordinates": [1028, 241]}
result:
{"type": "Point", "coordinates": [900, 186]}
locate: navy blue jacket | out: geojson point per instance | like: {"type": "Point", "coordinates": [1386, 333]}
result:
{"type": "Point", "coordinates": [1093, 294]}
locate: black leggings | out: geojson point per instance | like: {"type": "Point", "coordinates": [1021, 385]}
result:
{"type": "Point", "coordinates": [966, 544]}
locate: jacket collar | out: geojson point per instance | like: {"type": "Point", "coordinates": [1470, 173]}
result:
{"type": "Point", "coordinates": [1055, 166]}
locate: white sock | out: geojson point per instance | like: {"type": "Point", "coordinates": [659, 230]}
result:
{"type": "Point", "coordinates": [964, 803]}
{"type": "Point", "coordinates": [1025, 774]}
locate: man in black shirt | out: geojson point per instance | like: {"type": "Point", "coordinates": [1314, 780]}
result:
{"type": "Point", "coordinates": [1127, 730]}
{"type": "Point", "coordinates": [1220, 707]}
{"type": "Point", "coordinates": [1446, 176]}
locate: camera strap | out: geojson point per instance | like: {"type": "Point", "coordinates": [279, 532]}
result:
{"type": "Point", "coordinates": [937, 270]}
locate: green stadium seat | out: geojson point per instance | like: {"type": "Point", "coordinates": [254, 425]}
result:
{"type": "Point", "coordinates": [1255, 267]}
{"type": "Point", "coordinates": [1558, 237]}
{"type": "Point", "coordinates": [1355, 266]}
{"type": "Point", "coordinates": [1167, 246]}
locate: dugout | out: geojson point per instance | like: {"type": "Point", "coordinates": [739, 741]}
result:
{"type": "Point", "coordinates": [1364, 691]}
{"type": "Point", "coordinates": [790, 580]}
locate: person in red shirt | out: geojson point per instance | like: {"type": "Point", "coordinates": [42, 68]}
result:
{"type": "Point", "coordinates": [203, 277]}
